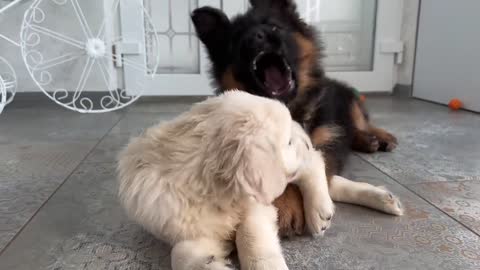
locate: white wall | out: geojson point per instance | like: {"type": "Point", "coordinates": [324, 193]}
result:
{"type": "Point", "coordinates": [409, 33]}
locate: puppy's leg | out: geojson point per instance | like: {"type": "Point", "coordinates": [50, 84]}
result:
{"type": "Point", "coordinates": [387, 141]}
{"type": "Point", "coordinates": [365, 142]}
{"type": "Point", "coordinates": [368, 138]}
{"type": "Point", "coordinates": [318, 205]}
{"type": "Point", "coordinates": [257, 240]}
{"type": "Point", "coordinates": [379, 198]}
{"type": "Point", "coordinates": [201, 254]}
{"type": "Point", "coordinates": [291, 219]}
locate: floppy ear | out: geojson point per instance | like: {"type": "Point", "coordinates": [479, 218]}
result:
{"type": "Point", "coordinates": [261, 173]}
{"type": "Point", "coordinates": [213, 29]}
{"type": "Point", "coordinates": [244, 163]}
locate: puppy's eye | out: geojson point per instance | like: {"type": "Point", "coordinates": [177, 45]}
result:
{"type": "Point", "coordinates": [290, 142]}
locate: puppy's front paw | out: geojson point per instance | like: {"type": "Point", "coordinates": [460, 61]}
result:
{"type": "Point", "coordinates": [319, 212]}
{"type": "Point", "coordinates": [275, 263]}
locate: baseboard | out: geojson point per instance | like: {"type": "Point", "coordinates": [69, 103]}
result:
{"type": "Point", "coordinates": [403, 90]}
{"type": "Point", "coordinates": [28, 99]}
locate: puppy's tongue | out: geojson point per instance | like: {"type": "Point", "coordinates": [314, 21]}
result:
{"type": "Point", "coordinates": [275, 81]}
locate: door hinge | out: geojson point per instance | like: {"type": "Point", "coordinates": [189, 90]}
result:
{"type": "Point", "coordinates": [396, 47]}
{"type": "Point", "coordinates": [122, 48]}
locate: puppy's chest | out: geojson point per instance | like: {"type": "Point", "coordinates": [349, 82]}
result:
{"type": "Point", "coordinates": [307, 110]}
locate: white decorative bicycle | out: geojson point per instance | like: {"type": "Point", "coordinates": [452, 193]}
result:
{"type": "Point", "coordinates": [8, 83]}
{"type": "Point", "coordinates": [79, 68]}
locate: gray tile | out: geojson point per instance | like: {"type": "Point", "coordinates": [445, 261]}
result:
{"type": "Point", "coordinates": [460, 200]}
{"type": "Point", "coordinates": [39, 147]}
{"type": "Point", "coordinates": [134, 123]}
{"type": "Point", "coordinates": [53, 125]}
{"type": "Point", "coordinates": [20, 199]}
{"type": "Point", "coordinates": [108, 149]}
{"type": "Point", "coordinates": [41, 160]}
{"type": "Point", "coordinates": [28, 176]}
{"type": "Point", "coordinates": [435, 144]}
{"type": "Point", "coordinates": [83, 227]}
{"type": "Point", "coordinates": [131, 125]}
{"type": "Point", "coordinates": [164, 104]}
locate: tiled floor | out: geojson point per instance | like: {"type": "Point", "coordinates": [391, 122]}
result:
{"type": "Point", "coordinates": [58, 208]}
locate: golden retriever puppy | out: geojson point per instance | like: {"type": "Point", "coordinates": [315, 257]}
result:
{"type": "Point", "coordinates": [209, 177]}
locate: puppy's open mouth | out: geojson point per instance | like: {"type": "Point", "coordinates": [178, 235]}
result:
{"type": "Point", "coordinates": [273, 73]}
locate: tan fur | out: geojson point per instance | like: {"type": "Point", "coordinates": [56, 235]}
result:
{"type": "Point", "coordinates": [367, 137]}
{"type": "Point", "coordinates": [382, 134]}
{"type": "Point", "coordinates": [308, 56]}
{"type": "Point", "coordinates": [290, 211]}
{"type": "Point", "coordinates": [359, 120]}
{"type": "Point", "coordinates": [324, 135]}
{"type": "Point", "coordinates": [228, 81]}
{"type": "Point", "coordinates": [191, 181]}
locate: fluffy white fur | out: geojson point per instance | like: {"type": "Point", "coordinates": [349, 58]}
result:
{"type": "Point", "coordinates": [209, 177]}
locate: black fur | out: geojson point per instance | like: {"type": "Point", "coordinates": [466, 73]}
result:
{"type": "Point", "coordinates": [272, 25]}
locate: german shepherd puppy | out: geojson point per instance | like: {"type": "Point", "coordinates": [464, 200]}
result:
{"type": "Point", "coordinates": [270, 51]}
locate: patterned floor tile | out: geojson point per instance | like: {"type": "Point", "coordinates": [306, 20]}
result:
{"type": "Point", "coordinates": [460, 200]}
{"type": "Point", "coordinates": [424, 238]}
{"type": "Point", "coordinates": [435, 144]}
{"type": "Point", "coordinates": [83, 227]}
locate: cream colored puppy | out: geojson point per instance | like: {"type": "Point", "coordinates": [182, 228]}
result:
{"type": "Point", "coordinates": [209, 177]}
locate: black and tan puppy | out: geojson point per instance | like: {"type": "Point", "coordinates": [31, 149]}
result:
{"type": "Point", "coordinates": [270, 51]}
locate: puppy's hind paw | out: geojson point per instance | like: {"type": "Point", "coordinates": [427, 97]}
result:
{"type": "Point", "coordinates": [390, 203]}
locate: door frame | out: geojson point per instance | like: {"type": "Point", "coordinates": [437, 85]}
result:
{"type": "Point", "coordinates": [387, 46]}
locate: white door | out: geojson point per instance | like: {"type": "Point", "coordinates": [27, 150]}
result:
{"type": "Point", "coordinates": [447, 63]}
{"type": "Point", "coordinates": [361, 38]}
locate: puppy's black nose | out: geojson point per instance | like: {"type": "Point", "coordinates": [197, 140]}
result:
{"type": "Point", "coordinates": [260, 36]}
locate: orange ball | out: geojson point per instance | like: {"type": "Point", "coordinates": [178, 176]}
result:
{"type": "Point", "coordinates": [455, 104]}
{"type": "Point", "coordinates": [363, 98]}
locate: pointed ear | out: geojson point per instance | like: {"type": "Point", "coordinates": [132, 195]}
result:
{"type": "Point", "coordinates": [212, 26]}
